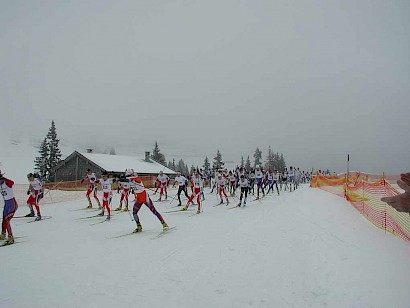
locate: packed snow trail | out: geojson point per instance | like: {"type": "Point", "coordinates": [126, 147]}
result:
{"type": "Point", "coordinates": [306, 248]}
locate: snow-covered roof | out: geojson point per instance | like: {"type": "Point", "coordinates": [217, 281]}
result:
{"type": "Point", "coordinates": [119, 163]}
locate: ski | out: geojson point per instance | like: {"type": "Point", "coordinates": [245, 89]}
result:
{"type": "Point", "coordinates": [15, 238]}
{"type": "Point", "coordinates": [99, 222]}
{"type": "Point", "coordinates": [127, 234]}
{"type": "Point", "coordinates": [81, 209]}
{"type": "Point", "coordinates": [176, 211]}
{"type": "Point", "coordinates": [196, 213]}
{"type": "Point", "coordinates": [122, 235]}
{"type": "Point", "coordinates": [8, 244]}
{"type": "Point", "coordinates": [233, 207]}
{"type": "Point", "coordinates": [24, 216]}
{"type": "Point", "coordinates": [93, 210]}
{"type": "Point", "coordinates": [257, 199]}
{"type": "Point", "coordinates": [163, 233]}
{"type": "Point", "coordinates": [176, 206]}
{"type": "Point", "coordinates": [42, 218]}
{"type": "Point", "coordinates": [88, 217]}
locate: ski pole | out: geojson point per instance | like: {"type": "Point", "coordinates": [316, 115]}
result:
{"type": "Point", "coordinates": [173, 198]}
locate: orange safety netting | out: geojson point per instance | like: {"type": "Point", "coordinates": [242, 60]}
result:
{"type": "Point", "coordinates": [364, 191]}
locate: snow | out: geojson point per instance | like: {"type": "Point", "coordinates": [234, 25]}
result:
{"type": "Point", "coordinates": [306, 248]}
{"type": "Point", "coordinates": [18, 155]}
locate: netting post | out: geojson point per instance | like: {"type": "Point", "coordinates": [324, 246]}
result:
{"type": "Point", "coordinates": [347, 176]}
{"type": "Point", "coordinates": [362, 196]}
{"type": "Point", "coordinates": [385, 214]}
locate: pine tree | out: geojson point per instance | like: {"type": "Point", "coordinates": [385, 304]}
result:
{"type": "Point", "coordinates": [206, 165]}
{"type": "Point", "coordinates": [50, 154]}
{"type": "Point", "coordinates": [181, 166]}
{"type": "Point", "coordinates": [41, 162]}
{"type": "Point", "coordinates": [218, 163]}
{"type": "Point", "coordinates": [157, 155]}
{"type": "Point", "coordinates": [112, 151]}
{"type": "Point", "coordinates": [54, 151]}
{"type": "Point", "coordinates": [276, 159]}
{"type": "Point", "coordinates": [248, 164]}
{"type": "Point", "coordinates": [282, 164]}
{"type": "Point", "coordinates": [257, 157]}
{"type": "Point", "coordinates": [170, 165]}
{"type": "Point", "coordinates": [242, 162]}
{"type": "Point", "coordinates": [270, 159]}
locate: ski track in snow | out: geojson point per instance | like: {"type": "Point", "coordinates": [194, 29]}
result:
{"type": "Point", "coordinates": [307, 248]}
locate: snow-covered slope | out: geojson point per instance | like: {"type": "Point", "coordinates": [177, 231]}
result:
{"type": "Point", "coordinates": [307, 248]}
{"type": "Point", "coordinates": [17, 157]}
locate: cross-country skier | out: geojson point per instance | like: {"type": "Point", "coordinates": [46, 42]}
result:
{"type": "Point", "coordinates": [284, 179]}
{"type": "Point", "coordinates": [125, 186]}
{"type": "Point", "coordinates": [243, 183]}
{"type": "Point", "coordinates": [259, 181]}
{"type": "Point", "coordinates": [35, 188]}
{"type": "Point", "coordinates": [182, 182]}
{"type": "Point", "coordinates": [252, 181]}
{"type": "Point", "coordinates": [142, 197]}
{"type": "Point", "coordinates": [222, 181]}
{"type": "Point", "coordinates": [10, 207]}
{"type": "Point", "coordinates": [275, 180]}
{"type": "Point", "coordinates": [162, 180]}
{"type": "Point", "coordinates": [268, 178]}
{"type": "Point", "coordinates": [232, 181]}
{"type": "Point", "coordinates": [92, 188]}
{"type": "Point", "coordinates": [291, 178]}
{"type": "Point", "coordinates": [106, 185]}
{"type": "Point", "coordinates": [38, 177]}
{"type": "Point", "coordinates": [196, 182]}
{"type": "Point", "coordinates": [203, 176]}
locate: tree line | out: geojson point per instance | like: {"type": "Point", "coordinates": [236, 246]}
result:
{"type": "Point", "coordinates": [274, 161]}
{"type": "Point", "coordinates": [50, 156]}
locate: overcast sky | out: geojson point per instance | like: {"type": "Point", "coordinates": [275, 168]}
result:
{"type": "Point", "coordinates": [315, 80]}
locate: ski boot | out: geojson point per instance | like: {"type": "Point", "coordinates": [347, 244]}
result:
{"type": "Point", "coordinates": [101, 214]}
{"type": "Point", "coordinates": [108, 217]}
{"type": "Point", "coordinates": [179, 204]}
{"type": "Point", "coordinates": [118, 208]}
{"type": "Point", "coordinates": [239, 204]}
{"type": "Point", "coordinates": [222, 202]}
{"type": "Point", "coordinates": [38, 217]}
{"type": "Point", "coordinates": [184, 208]}
{"type": "Point", "coordinates": [31, 214]}
{"type": "Point", "coordinates": [125, 209]}
{"type": "Point", "coordinates": [90, 206]}
{"type": "Point", "coordinates": [138, 230]}
{"type": "Point", "coordinates": [244, 203]}
{"type": "Point", "coordinates": [166, 197]}
{"type": "Point", "coordinates": [9, 241]}
{"type": "Point", "coordinates": [198, 211]}
{"type": "Point", "coordinates": [165, 227]}
{"type": "Point", "coordinates": [99, 206]}
{"type": "Point", "coordinates": [227, 201]}
{"type": "Point", "coordinates": [2, 236]}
